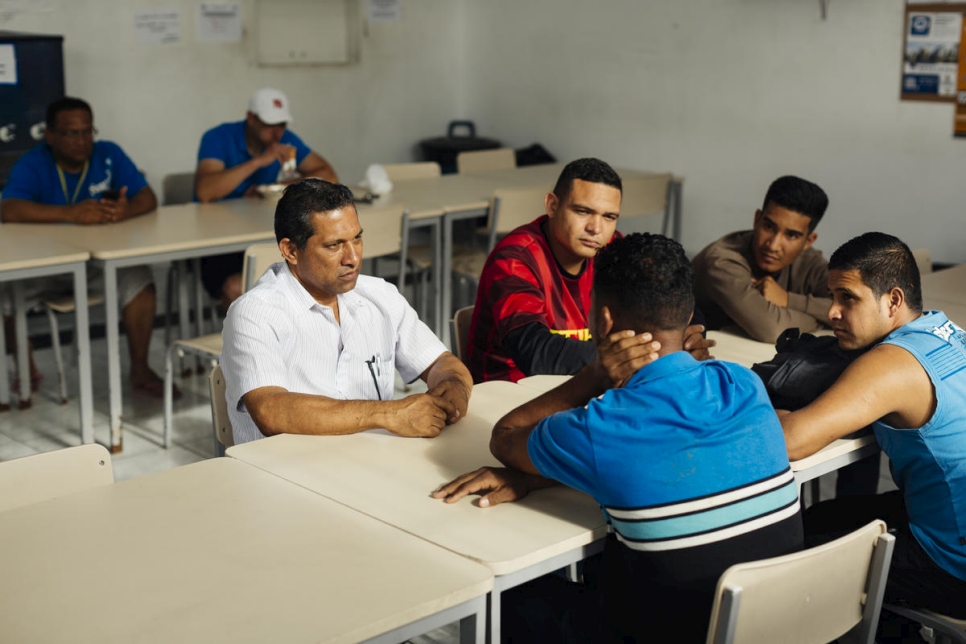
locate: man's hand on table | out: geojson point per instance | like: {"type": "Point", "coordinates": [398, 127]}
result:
{"type": "Point", "coordinates": [495, 484]}
{"type": "Point", "coordinates": [90, 212]}
{"type": "Point", "coordinates": [771, 291]}
{"type": "Point", "coordinates": [420, 415]}
{"type": "Point", "coordinates": [696, 344]}
{"type": "Point", "coordinates": [455, 393]}
{"type": "Point", "coordinates": [275, 152]}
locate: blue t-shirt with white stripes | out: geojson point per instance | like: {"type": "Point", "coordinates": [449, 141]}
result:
{"type": "Point", "coordinates": [689, 462]}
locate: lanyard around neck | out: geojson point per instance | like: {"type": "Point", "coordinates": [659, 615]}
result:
{"type": "Point", "coordinates": [63, 183]}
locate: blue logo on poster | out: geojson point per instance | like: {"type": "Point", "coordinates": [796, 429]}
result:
{"type": "Point", "coordinates": [920, 25]}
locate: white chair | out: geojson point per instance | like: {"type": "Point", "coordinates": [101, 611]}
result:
{"type": "Point", "coordinates": [220, 422]}
{"type": "Point", "coordinates": [258, 257]}
{"type": "Point", "coordinates": [808, 597]}
{"type": "Point", "coordinates": [510, 208]}
{"type": "Point", "coordinates": [418, 257]}
{"type": "Point", "coordinates": [480, 161]}
{"type": "Point", "coordinates": [406, 171]}
{"type": "Point", "coordinates": [945, 629]}
{"type": "Point", "coordinates": [40, 477]}
{"type": "Point", "coordinates": [923, 260]}
{"type": "Point", "coordinates": [461, 331]}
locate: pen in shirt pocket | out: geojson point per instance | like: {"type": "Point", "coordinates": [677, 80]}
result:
{"type": "Point", "coordinates": [375, 370]}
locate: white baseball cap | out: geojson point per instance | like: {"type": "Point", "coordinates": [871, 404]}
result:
{"type": "Point", "coordinates": [270, 105]}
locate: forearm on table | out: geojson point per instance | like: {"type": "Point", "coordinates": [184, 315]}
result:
{"type": "Point", "coordinates": [142, 203]}
{"type": "Point", "coordinates": [761, 319]}
{"type": "Point", "coordinates": [812, 305]}
{"type": "Point", "coordinates": [314, 165]}
{"type": "Point", "coordinates": [278, 411]}
{"type": "Point", "coordinates": [536, 350]}
{"type": "Point", "coordinates": [448, 367]}
{"type": "Point", "coordinates": [508, 442]}
{"type": "Point", "coordinates": [24, 211]}
{"type": "Point", "coordinates": [211, 185]}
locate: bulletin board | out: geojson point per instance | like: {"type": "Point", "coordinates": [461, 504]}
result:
{"type": "Point", "coordinates": [931, 50]}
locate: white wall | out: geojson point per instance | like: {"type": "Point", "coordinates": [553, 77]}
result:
{"type": "Point", "coordinates": [730, 94]}
{"type": "Point", "coordinates": [157, 100]}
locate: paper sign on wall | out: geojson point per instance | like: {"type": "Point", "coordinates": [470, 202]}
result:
{"type": "Point", "coordinates": [959, 123]}
{"type": "Point", "coordinates": [157, 26]}
{"type": "Point", "coordinates": [8, 64]}
{"type": "Point", "coordinates": [385, 11]}
{"type": "Point", "coordinates": [932, 55]}
{"type": "Point", "coordinates": [219, 22]}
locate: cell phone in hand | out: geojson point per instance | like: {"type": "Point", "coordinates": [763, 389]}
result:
{"type": "Point", "coordinates": [111, 195]}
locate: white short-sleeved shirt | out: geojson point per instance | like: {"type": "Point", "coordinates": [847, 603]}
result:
{"type": "Point", "coordinates": [277, 335]}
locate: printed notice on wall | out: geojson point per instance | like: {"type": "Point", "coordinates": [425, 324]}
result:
{"type": "Point", "coordinates": [219, 22]}
{"type": "Point", "coordinates": [385, 11]}
{"type": "Point", "coordinates": [157, 26]}
{"type": "Point", "coordinates": [931, 56]}
{"type": "Point", "coordinates": [959, 122]}
{"type": "Point", "coordinates": [8, 64]}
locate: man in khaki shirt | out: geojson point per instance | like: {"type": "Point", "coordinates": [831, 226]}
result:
{"type": "Point", "coordinates": [768, 279]}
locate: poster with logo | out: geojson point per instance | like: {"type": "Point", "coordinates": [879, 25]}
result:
{"type": "Point", "coordinates": [931, 53]}
{"type": "Point", "coordinates": [959, 123]}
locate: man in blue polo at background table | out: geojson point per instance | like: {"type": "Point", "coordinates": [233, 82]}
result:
{"type": "Point", "coordinates": [235, 158]}
{"type": "Point", "coordinates": [686, 457]}
{"type": "Point", "coordinates": [70, 178]}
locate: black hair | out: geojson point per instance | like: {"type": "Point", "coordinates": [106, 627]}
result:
{"type": "Point", "coordinates": [300, 202]}
{"type": "Point", "coordinates": [589, 169]}
{"type": "Point", "coordinates": [798, 195]}
{"type": "Point", "coordinates": [66, 104]}
{"type": "Point", "coordinates": [646, 280]}
{"type": "Point", "coordinates": [883, 262]}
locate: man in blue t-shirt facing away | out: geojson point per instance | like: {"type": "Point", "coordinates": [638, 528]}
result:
{"type": "Point", "coordinates": [685, 457]}
{"type": "Point", "coordinates": [911, 387]}
{"type": "Point", "coordinates": [234, 159]}
{"type": "Point", "coordinates": [71, 178]}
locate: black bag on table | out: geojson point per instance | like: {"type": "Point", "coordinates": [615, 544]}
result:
{"type": "Point", "coordinates": [804, 366]}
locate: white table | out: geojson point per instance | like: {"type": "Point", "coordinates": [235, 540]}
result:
{"type": "Point", "coordinates": [391, 478]}
{"type": "Point", "coordinates": [948, 285]}
{"type": "Point", "coordinates": [219, 551]}
{"type": "Point", "coordinates": [25, 255]}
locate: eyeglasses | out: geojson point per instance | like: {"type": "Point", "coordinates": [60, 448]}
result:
{"type": "Point", "coordinates": [78, 134]}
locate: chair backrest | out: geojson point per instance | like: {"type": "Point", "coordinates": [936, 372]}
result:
{"type": "Point", "coordinates": [479, 161]}
{"type": "Point", "coordinates": [461, 331]}
{"type": "Point", "coordinates": [644, 195]}
{"type": "Point", "coordinates": [178, 188]}
{"type": "Point", "coordinates": [513, 207]}
{"type": "Point", "coordinates": [405, 171]}
{"type": "Point", "coordinates": [811, 596]}
{"type": "Point", "coordinates": [382, 230]}
{"type": "Point", "coordinates": [219, 408]}
{"type": "Point", "coordinates": [36, 478]}
{"type": "Point", "coordinates": [923, 260]}
{"type": "Point", "coordinates": [258, 257]}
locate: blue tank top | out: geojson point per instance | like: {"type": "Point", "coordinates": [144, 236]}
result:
{"type": "Point", "coordinates": [929, 463]}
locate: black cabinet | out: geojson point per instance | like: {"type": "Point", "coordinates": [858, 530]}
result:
{"type": "Point", "coordinates": [23, 103]}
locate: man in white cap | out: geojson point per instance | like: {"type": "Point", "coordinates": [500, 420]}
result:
{"type": "Point", "coordinates": [235, 158]}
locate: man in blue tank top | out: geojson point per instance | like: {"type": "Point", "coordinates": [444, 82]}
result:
{"type": "Point", "coordinates": [911, 386]}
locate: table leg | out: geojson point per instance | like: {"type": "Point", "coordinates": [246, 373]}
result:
{"type": "Point", "coordinates": [439, 289]}
{"type": "Point", "coordinates": [446, 303]}
{"type": "Point", "coordinates": [493, 610]}
{"type": "Point", "coordinates": [4, 378]}
{"type": "Point", "coordinates": [113, 356]}
{"type": "Point", "coordinates": [82, 339]}
{"type": "Point", "coordinates": [23, 346]}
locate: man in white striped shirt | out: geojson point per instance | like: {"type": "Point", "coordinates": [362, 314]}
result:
{"type": "Point", "coordinates": [313, 347]}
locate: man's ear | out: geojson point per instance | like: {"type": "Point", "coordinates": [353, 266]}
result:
{"type": "Point", "coordinates": [758, 215]}
{"type": "Point", "coordinates": [810, 240]}
{"type": "Point", "coordinates": [287, 247]}
{"type": "Point", "coordinates": [605, 322]}
{"type": "Point", "coordinates": [550, 202]}
{"type": "Point", "coordinates": [896, 299]}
